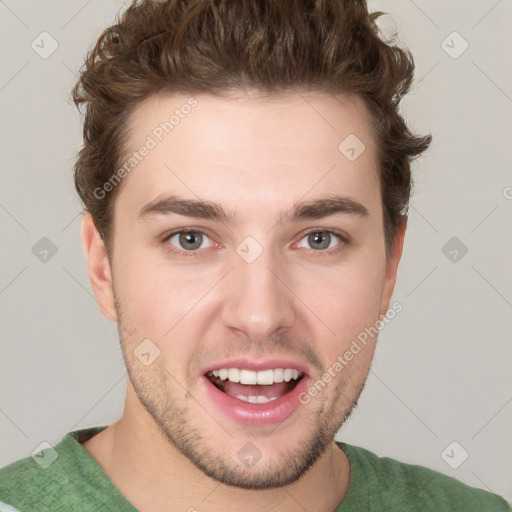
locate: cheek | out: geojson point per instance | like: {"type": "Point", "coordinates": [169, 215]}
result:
{"type": "Point", "coordinates": [153, 290]}
{"type": "Point", "coordinates": [174, 305]}
{"type": "Point", "coordinates": [158, 302]}
{"type": "Point", "coordinates": [347, 300]}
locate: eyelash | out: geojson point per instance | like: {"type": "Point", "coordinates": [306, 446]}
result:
{"type": "Point", "coordinates": [344, 240]}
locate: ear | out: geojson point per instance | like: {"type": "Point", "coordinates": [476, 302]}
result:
{"type": "Point", "coordinates": [98, 268]}
{"type": "Point", "coordinates": [392, 267]}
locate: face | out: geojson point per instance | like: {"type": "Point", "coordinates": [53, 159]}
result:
{"type": "Point", "coordinates": [248, 255]}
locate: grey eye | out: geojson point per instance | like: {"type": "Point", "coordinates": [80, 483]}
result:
{"type": "Point", "coordinates": [321, 240]}
{"type": "Point", "coordinates": [189, 240]}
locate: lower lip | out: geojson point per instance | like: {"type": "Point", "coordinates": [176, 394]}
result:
{"type": "Point", "coordinates": [247, 413]}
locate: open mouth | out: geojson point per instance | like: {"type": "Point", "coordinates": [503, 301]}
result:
{"type": "Point", "coordinates": [257, 387]}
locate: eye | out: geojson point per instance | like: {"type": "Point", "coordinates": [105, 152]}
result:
{"type": "Point", "coordinates": [320, 240]}
{"type": "Point", "coordinates": [189, 240]}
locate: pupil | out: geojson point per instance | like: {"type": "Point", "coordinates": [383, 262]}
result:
{"type": "Point", "coordinates": [188, 238]}
{"type": "Point", "coordinates": [320, 238]}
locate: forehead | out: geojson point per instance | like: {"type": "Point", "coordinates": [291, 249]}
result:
{"type": "Point", "coordinates": [250, 153]}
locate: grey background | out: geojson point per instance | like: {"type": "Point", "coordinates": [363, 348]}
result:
{"type": "Point", "coordinates": [442, 368]}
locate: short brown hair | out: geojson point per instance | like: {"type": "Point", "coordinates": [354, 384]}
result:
{"type": "Point", "coordinates": [216, 46]}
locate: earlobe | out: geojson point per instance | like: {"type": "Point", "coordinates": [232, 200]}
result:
{"type": "Point", "coordinates": [98, 268]}
{"type": "Point", "coordinates": [392, 267]}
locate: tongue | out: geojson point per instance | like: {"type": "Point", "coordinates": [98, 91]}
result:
{"type": "Point", "coordinates": [268, 391]}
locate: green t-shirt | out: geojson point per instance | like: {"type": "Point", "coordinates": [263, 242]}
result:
{"type": "Point", "coordinates": [67, 478]}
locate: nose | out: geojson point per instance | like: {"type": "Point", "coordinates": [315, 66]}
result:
{"type": "Point", "coordinates": [257, 299]}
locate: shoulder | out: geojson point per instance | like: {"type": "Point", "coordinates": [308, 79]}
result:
{"type": "Point", "coordinates": [43, 479]}
{"type": "Point", "coordinates": [25, 482]}
{"type": "Point", "coordinates": [417, 487]}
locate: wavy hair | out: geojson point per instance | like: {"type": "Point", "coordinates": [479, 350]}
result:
{"type": "Point", "coordinates": [217, 46]}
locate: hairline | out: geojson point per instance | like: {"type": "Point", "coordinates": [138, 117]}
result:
{"type": "Point", "coordinates": [253, 93]}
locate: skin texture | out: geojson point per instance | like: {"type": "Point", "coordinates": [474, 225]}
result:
{"type": "Point", "coordinates": [257, 158]}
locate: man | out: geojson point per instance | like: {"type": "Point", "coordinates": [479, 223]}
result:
{"type": "Point", "coordinates": [245, 175]}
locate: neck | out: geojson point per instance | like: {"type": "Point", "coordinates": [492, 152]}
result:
{"type": "Point", "coordinates": [152, 473]}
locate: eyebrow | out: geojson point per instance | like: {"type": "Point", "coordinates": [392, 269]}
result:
{"type": "Point", "coordinates": [202, 209]}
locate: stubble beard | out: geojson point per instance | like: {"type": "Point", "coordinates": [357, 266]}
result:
{"type": "Point", "coordinates": [170, 405]}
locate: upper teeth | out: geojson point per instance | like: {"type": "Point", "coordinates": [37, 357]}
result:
{"type": "Point", "coordinates": [266, 377]}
